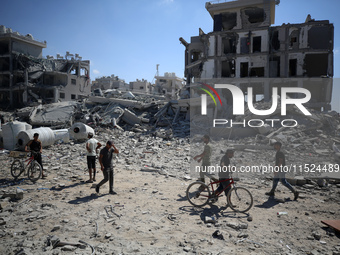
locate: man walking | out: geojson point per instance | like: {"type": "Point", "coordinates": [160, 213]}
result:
{"type": "Point", "coordinates": [92, 146]}
{"type": "Point", "coordinates": [105, 160]}
{"type": "Point", "coordinates": [224, 173]}
{"type": "Point", "coordinates": [35, 147]}
{"type": "Point", "coordinates": [204, 157]}
{"type": "Point", "coordinates": [279, 174]}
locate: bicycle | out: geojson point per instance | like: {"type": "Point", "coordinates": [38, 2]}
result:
{"type": "Point", "coordinates": [239, 199]}
{"type": "Point", "coordinates": [33, 168]}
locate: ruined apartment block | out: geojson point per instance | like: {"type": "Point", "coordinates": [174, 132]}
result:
{"type": "Point", "coordinates": [244, 45]}
{"type": "Point", "coordinates": [140, 86]}
{"type": "Point", "coordinates": [108, 82]}
{"type": "Point", "coordinates": [168, 85]}
{"type": "Point", "coordinates": [27, 78]}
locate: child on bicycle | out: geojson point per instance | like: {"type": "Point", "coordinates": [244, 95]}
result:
{"type": "Point", "coordinates": [35, 147]}
{"type": "Point", "coordinates": [224, 173]}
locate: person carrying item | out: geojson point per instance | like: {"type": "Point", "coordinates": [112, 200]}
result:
{"type": "Point", "coordinates": [105, 160]}
{"type": "Point", "coordinates": [204, 157]}
{"type": "Point", "coordinates": [35, 147]}
{"type": "Point", "coordinates": [92, 146]}
{"type": "Point", "coordinates": [279, 174]}
{"type": "Point", "coordinates": [224, 172]}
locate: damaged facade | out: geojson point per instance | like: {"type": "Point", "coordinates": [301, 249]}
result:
{"type": "Point", "coordinates": [108, 82]}
{"type": "Point", "coordinates": [168, 85]}
{"type": "Point", "coordinates": [244, 45]}
{"type": "Point", "coordinates": [27, 78]}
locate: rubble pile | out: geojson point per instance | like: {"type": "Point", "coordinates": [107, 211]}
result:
{"type": "Point", "coordinates": [63, 214]}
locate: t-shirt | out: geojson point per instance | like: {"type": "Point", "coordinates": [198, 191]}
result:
{"type": "Point", "coordinates": [34, 145]}
{"type": "Point", "coordinates": [107, 156]}
{"type": "Point", "coordinates": [279, 154]}
{"type": "Point", "coordinates": [92, 143]}
{"type": "Point", "coordinates": [207, 155]}
{"type": "Point", "coordinates": [224, 173]}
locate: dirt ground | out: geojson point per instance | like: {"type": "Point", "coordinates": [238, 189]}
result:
{"type": "Point", "coordinates": [150, 214]}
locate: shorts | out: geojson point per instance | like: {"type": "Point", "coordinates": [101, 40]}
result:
{"type": "Point", "coordinates": [91, 162]}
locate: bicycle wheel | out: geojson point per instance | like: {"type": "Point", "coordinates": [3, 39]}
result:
{"type": "Point", "coordinates": [198, 194]}
{"type": "Point", "coordinates": [240, 199]}
{"type": "Point", "coordinates": [34, 171]}
{"type": "Point", "coordinates": [16, 168]}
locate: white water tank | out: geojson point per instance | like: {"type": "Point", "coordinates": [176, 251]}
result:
{"type": "Point", "coordinates": [10, 131]}
{"type": "Point", "coordinates": [62, 135]}
{"type": "Point", "coordinates": [79, 131]}
{"type": "Point", "coordinates": [2, 29]}
{"type": "Point", "coordinates": [46, 136]}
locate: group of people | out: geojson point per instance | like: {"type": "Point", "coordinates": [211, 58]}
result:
{"type": "Point", "coordinates": [92, 147]}
{"type": "Point", "coordinates": [224, 176]}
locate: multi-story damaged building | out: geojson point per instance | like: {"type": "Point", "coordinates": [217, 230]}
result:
{"type": "Point", "coordinates": [26, 77]}
{"type": "Point", "coordinates": [108, 82]}
{"type": "Point", "coordinates": [168, 85]}
{"type": "Point", "coordinates": [245, 50]}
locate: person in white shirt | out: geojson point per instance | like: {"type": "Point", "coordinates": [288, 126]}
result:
{"type": "Point", "coordinates": [92, 146]}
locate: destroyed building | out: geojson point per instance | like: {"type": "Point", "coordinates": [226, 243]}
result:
{"type": "Point", "coordinates": [108, 82]}
{"type": "Point", "coordinates": [245, 50]}
{"type": "Point", "coordinates": [140, 86]}
{"type": "Point", "coordinates": [168, 85]}
{"type": "Point", "coordinates": [27, 78]}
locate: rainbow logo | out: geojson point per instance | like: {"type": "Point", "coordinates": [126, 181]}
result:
{"type": "Point", "coordinates": [204, 98]}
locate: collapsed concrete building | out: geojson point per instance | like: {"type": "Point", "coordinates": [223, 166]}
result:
{"type": "Point", "coordinates": [245, 50]}
{"type": "Point", "coordinates": [168, 85]}
{"type": "Point", "coordinates": [26, 77]}
{"type": "Point", "coordinates": [108, 82]}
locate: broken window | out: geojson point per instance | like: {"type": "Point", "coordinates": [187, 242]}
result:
{"type": "Point", "coordinates": [4, 48]}
{"type": "Point", "coordinates": [73, 96]}
{"type": "Point", "coordinates": [73, 81]}
{"type": "Point", "coordinates": [316, 65]}
{"type": "Point", "coordinates": [274, 40]}
{"type": "Point", "coordinates": [229, 45]}
{"type": "Point", "coordinates": [320, 37]}
{"type": "Point", "coordinates": [82, 71]}
{"type": "Point", "coordinates": [292, 67]}
{"type": "Point", "coordinates": [4, 80]}
{"type": "Point", "coordinates": [228, 69]}
{"type": "Point", "coordinates": [218, 22]}
{"type": "Point", "coordinates": [293, 41]}
{"type": "Point", "coordinates": [141, 87]}
{"type": "Point", "coordinates": [62, 95]}
{"type": "Point", "coordinates": [257, 44]}
{"type": "Point", "coordinates": [4, 64]}
{"type": "Point", "coordinates": [244, 45]}
{"type": "Point", "coordinates": [274, 67]}
{"type": "Point", "coordinates": [195, 55]}
{"type": "Point", "coordinates": [255, 14]}
{"type": "Point", "coordinates": [229, 20]}
{"type": "Point", "coordinates": [244, 69]}
{"type": "Point", "coordinates": [257, 72]}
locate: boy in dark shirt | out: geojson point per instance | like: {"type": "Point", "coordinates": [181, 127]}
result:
{"type": "Point", "coordinates": [35, 146]}
{"type": "Point", "coordinates": [280, 162]}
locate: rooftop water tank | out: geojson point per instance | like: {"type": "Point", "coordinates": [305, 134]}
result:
{"type": "Point", "coordinates": [2, 29]}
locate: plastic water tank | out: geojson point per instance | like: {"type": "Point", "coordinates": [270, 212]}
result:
{"type": "Point", "coordinates": [79, 131]}
{"type": "Point", "coordinates": [46, 136]}
{"type": "Point", "coordinates": [2, 29]}
{"type": "Point", "coordinates": [62, 135]}
{"type": "Point", "coordinates": [10, 131]}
